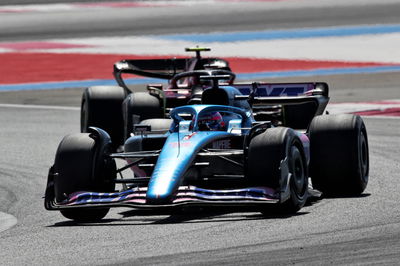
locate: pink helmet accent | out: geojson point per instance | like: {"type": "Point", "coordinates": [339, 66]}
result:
{"type": "Point", "coordinates": [212, 121]}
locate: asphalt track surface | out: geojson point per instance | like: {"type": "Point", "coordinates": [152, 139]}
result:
{"type": "Point", "coordinates": [360, 230]}
{"type": "Point", "coordinates": [209, 17]}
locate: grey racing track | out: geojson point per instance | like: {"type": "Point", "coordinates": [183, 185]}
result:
{"type": "Point", "coordinates": [359, 230]}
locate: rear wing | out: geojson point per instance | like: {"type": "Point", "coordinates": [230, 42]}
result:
{"type": "Point", "coordinates": [294, 104]}
{"type": "Point", "coordinates": [269, 90]}
{"type": "Point", "coordinates": [164, 68]}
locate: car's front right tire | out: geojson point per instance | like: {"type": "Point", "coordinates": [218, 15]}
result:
{"type": "Point", "coordinates": [82, 164]}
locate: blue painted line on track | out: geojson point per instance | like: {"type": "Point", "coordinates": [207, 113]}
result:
{"type": "Point", "coordinates": [286, 34]}
{"type": "Point", "coordinates": [241, 76]}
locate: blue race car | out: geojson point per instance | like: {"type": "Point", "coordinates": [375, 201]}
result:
{"type": "Point", "coordinates": [252, 145]}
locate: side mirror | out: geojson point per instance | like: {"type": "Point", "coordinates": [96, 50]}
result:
{"type": "Point", "coordinates": [184, 126]}
{"type": "Point", "coordinates": [235, 126]}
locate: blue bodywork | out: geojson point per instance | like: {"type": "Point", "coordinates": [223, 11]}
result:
{"type": "Point", "coordinates": [183, 142]}
{"type": "Point", "coordinates": [182, 146]}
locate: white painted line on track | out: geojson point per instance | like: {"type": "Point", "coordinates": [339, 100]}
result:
{"type": "Point", "coordinates": [362, 106]}
{"type": "Point", "coordinates": [31, 106]}
{"type": "Point", "coordinates": [380, 117]}
{"type": "Point", "coordinates": [35, 8]}
{"type": "Point", "coordinates": [7, 221]}
{"type": "Point", "coordinates": [376, 109]}
{"type": "Point", "coordinates": [62, 7]}
{"type": "Point", "coordinates": [380, 48]}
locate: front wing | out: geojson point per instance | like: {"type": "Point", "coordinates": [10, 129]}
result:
{"type": "Point", "coordinates": [186, 195]}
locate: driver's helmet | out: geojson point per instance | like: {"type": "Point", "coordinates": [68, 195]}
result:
{"type": "Point", "coordinates": [212, 121]}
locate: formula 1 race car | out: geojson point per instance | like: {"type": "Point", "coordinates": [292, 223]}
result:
{"type": "Point", "coordinates": [217, 154]}
{"type": "Point", "coordinates": [117, 108]}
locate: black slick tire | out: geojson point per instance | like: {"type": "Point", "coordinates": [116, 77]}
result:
{"type": "Point", "coordinates": [266, 153]}
{"type": "Point", "coordinates": [339, 163]}
{"type": "Point", "coordinates": [101, 107]}
{"type": "Point", "coordinates": [82, 164]}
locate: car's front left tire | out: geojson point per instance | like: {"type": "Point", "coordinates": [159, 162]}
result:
{"type": "Point", "coordinates": [271, 155]}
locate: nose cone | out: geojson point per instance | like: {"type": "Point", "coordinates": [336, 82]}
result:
{"type": "Point", "coordinates": [165, 180]}
{"type": "Point", "coordinates": [175, 158]}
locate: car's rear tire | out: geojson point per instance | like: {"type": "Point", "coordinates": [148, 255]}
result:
{"type": "Point", "coordinates": [339, 163]}
{"type": "Point", "coordinates": [139, 106]}
{"type": "Point", "coordinates": [82, 164]}
{"type": "Point", "coordinates": [264, 166]}
{"type": "Point", "coordinates": [101, 107]}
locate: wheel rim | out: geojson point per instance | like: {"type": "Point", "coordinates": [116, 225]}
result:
{"type": "Point", "coordinates": [363, 157]}
{"type": "Point", "coordinates": [298, 184]}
